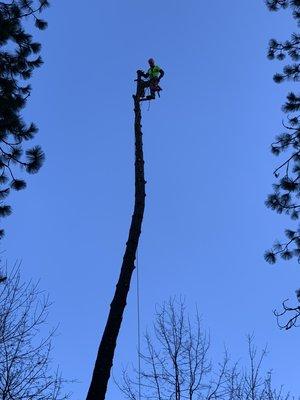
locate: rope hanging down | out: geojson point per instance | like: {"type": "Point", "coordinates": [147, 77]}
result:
{"type": "Point", "coordinates": [108, 342]}
{"type": "Point", "coordinates": [138, 321]}
{"type": "Point", "coordinates": [151, 85]}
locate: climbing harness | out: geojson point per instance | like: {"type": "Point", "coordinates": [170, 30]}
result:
{"type": "Point", "coordinates": [152, 84]}
{"type": "Point", "coordinates": [155, 86]}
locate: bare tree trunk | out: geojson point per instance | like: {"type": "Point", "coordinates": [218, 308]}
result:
{"type": "Point", "coordinates": [104, 360]}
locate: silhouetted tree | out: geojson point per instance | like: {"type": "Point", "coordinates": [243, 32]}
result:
{"type": "Point", "coordinates": [288, 317]}
{"type": "Point", "coordinates": [286, 194]}
{"type": "Point", "coordinates": [25, 363]}
{"type": "Point", "coordinates": [176, 365]}
{"type": "Point", "coordinates": [105, 355]}
{"type": "Point", "coordinates": [18, 59]}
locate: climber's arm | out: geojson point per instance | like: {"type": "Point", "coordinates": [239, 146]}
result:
{"type": "Point", "coordinates": [162, 73]}
{"type": "Point", "coordinates": [143, 74]}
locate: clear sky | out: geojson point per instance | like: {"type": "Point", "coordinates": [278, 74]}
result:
{"type": "Point", "coordinates": [208, 169]}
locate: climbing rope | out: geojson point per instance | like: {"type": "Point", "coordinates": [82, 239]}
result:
{"type": "Point", "coordinates": [148, 93]}
{"type": "Point", "coordinates": [138, 321]}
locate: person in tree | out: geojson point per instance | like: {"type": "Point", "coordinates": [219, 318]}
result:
{"type": "Point", "coordinates": [153, 76]}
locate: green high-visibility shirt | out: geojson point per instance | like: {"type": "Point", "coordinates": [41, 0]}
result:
{"type": "Point", "coordinates": [154, 71]}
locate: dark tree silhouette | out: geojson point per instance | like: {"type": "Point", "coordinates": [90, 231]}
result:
{"type": "Point", "coordinates": [104, 360]}
{"type": "Point", "coordinates": [18, 59]}
{"type": "Point", "coordinates": [287, 318]}
{"type": "Point", "coordinates": [286, 194]}
{"type": "Point", "coordinates": [26, 371]}
{"type": "Point", "coordinates": [176, 364]}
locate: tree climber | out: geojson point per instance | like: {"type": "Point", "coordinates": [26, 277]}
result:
{"type": "Point", "coordinates": [153, 75]}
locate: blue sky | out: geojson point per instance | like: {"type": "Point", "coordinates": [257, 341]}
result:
{"type": "Point", "coordinates": [208, 169]}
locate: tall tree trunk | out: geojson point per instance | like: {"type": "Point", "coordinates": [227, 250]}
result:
{"type": "Point", "coordinates": [104, 360]}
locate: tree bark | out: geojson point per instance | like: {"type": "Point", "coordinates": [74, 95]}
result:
{"type": "Point", "coordinates": [104, 360]}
